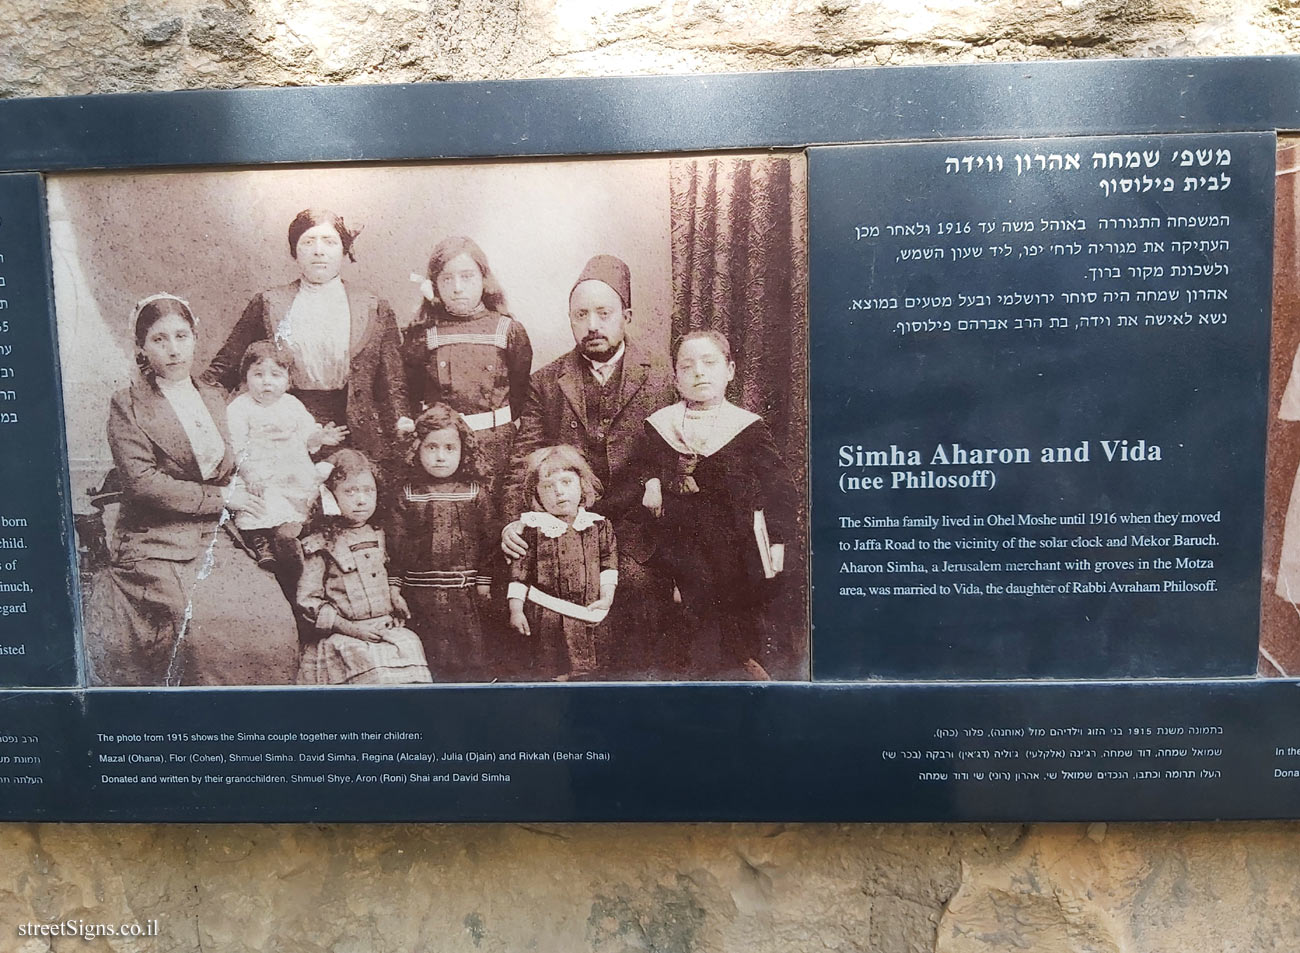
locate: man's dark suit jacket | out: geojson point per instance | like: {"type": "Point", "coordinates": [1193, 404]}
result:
{"type": "Point", "coordinates": [556, 413]}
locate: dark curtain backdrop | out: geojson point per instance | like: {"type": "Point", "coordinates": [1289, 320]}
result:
{"type": "Point", "coordinates": [739, 260]}
{"type": "Point", "coordinates": [1280, 620]}
{"type": "Point", "coordinates": [740, 266]}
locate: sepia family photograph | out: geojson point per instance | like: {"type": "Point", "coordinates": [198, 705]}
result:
{"type": "Point", "coordinates": [438, 423]}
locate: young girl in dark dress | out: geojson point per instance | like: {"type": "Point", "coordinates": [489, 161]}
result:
{"type": "Point", "coordinates": [465, 350]}
{"type": "Point", "coordinates": [441, 540]}
{"type": "Point", "coordinates": [562, 588]}
{"type": "Point", "coordinates": [713, 469]}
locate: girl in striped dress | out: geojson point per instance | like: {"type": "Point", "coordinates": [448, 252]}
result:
{"type": "Point", "coordinates": [465, 350]}
{"type": "Point", "coordinates": [440, 537]}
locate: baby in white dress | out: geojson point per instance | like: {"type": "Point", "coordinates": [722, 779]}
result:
{"type": "Point", "coordinates": [274, 436]}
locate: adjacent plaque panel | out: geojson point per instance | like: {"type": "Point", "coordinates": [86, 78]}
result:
{"type": "Point", "coordinates": [1038, 403]}
{"type": "Point", "coordinates": [37, 634]}
{"type": "Point", "coordinates": [42, 768]}
{"type": "Point", "coordinates": [894, 752]}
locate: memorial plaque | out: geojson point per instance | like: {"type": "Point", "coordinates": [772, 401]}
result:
{"type": "Point", "coordinates": [1039, 373]}
{"type": "Point", "coordinates": [1022, 345]}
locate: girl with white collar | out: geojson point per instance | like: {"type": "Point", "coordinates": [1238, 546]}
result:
{"type": "Point", "coordinates": [563, 587]}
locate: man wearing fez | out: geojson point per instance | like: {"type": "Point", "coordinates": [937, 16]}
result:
{"type": "Point", "coordinates": [596, 398]}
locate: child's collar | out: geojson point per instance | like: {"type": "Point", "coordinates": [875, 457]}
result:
{"type": "Point", "coordinates": [552, 526]}
{"type": "Point", "coordinates": [712, 428]}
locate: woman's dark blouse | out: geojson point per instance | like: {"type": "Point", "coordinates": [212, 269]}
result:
{"type": "Point", "coordinates": [376, 390]}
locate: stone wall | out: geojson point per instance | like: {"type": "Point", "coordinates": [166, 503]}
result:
{"type": "Point", "coordinates": [669, 888]}
{"type": "Point", "coordinates": [659, 889]}
{"type": "Point", "coordinates": [81, 46]}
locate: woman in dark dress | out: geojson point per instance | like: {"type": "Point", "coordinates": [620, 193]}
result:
{"type": "Point", "coordinates": [725, 503]}
{"type": "Point", "coordinates": [347, 366]}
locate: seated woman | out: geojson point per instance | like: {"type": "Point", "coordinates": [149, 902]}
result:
{"type": "Point", "coordinates": [179, 604]}
{"type": "Point", "coordinates": [347, 369]}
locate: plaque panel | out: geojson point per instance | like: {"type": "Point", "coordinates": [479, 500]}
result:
{"type": "Point", "coordinates": [1071, 258]}
{"type": "Point", "coordinates": [38, 644]}
{"type": "Point", "coordinates": [1039, 382]}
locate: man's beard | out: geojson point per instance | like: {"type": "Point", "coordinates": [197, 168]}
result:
{"type": "Point", "coordinates": [600, 353]}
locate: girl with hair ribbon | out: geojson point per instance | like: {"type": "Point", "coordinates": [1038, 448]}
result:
{"type": "Point", "coordinates": [465, 350]}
